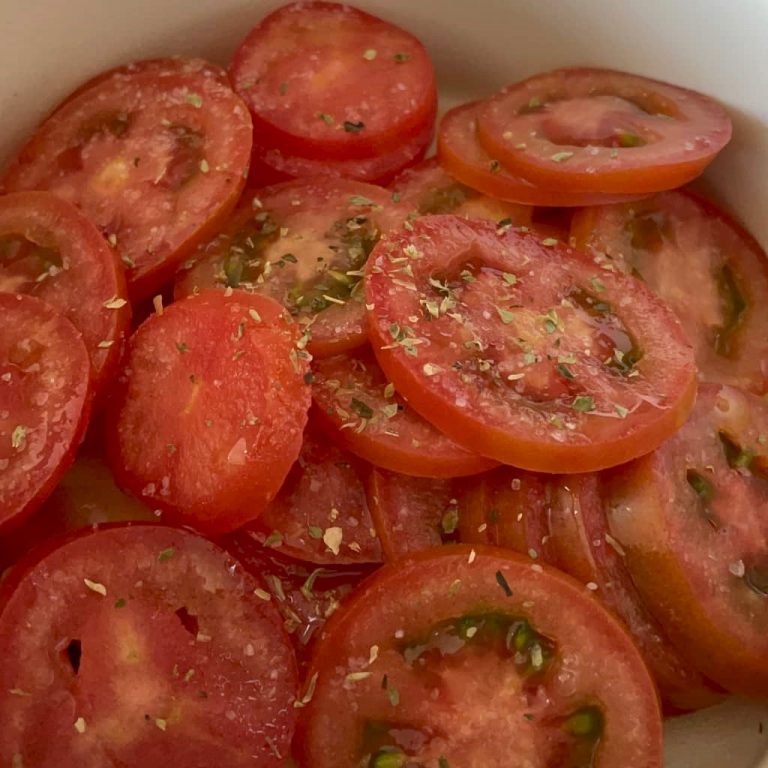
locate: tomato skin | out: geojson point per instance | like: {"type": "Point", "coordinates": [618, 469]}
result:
{"type": "Point", "coordinates": [435, 366]}
{"type": "Point", "coordinates": [88, 279]}
{"type": "Point", "coordinates": [168, 115]}
{"type": "Point", "coordinates": [215, 381]}
{"type": "Point", "coordinates": [45, 397]}
{"type": "Point", "coordinates": [397, 439]}
{"type": "Point", "coordinates": [463, 157]}
{"type": "Point", "coordinates": [323, 497]}
{"type": "Point", "coordinates": [584, 549]}
{"type": "Point", "coordinates": [176, 584]}
{"type": "Point", "coordinates": [401, 600]}
{"type": "Point", "coordinates": [303, 73]}
{"type": "Point", "coordinates": [326, 227]}
{"type": "Point", "coordinates": [681, 244]}
{"type": "Point", "coordinates": [690, 517]}
{"type": "Point", "coordinates": [542, 143]}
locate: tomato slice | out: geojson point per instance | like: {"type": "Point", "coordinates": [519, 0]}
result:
{"type": "Point", "coordinates": [270, 165]}
{"type": "Point", "coordinates": [412, 513]}
{"type": "Point", "coordinates": [214, 382]}
{"type": "Point", "coordinates": [148, 642]}
{"type": "Point", "coordinates": [527, 353]}
{"type": "Point", "coordinates": [45, 402]}
{"type": "Point", "coordinates": [321, 513]}
{"type": "Point", "coordinates": [306, 595]}
{"type": "Point", "coordinates": [508, 508]}
{"type": "Point", "coordinates": [154, 154]}
{"type": "Point", "coordinates": [324, 80]}
{"type": "Point", "coordinates": [50, 250]}
{"type": "Point", "coordinates": [427, 189]}
{"type": "Point", "coordinates": [451, 656]}
{"type": "Point", "coordinates": [691, 518]}
{"type": "Point", "coordinates": [585, 549]}
{"type": "Point", "coordinates": [597, 130]}
{"type": "Point", "coordinates": [465, 159]}
{"type": "Point", "coordinates": [362, 411]}
{"type": "Point", "coordinates": [304, 243]}
{"type": "Point", "coordinates": [85, 496]}
{"type": "Point", "coordinates": [681, 245]}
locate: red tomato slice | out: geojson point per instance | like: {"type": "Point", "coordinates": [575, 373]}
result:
{"type": "Point", "coordinates": [304, 243]}
{"type": "Point", "coordinates": [531, 355]}
{"type": "Point", "coordinates": [691, 518]}
{"type": "Point", "coordinates": [50, 250]}
{"type": "Point", "coordinates": [683, 246]}
{"type": "Point", "coordinates": [45, 402]}
{"type": "Point", "coordinates": [451, 656]}
{"type": "Point", "coordinates": [412, 513]}
{"type": "Point", "coordinates": [85, 496]}
{"type": "Point", "coordinates": [321, 513]}
{"type": "Point", "coordinates": [208, 418]}
{"type": "Point", "coordinates": [324, 80]}
{"type": "Point", "coordinates": [133, 643]}
{"type": "Point", "coordinates": [270, 165]}
{"type": "Point", "coordinates": [597, 130]}
{"type": "Point", "coordinates": [463, 157]}
{"type": "Point", "coordinates": [585, 549]}
{"type": "Point", "coordinates": [305, 595]}
{"type": "Point", "coordinates": [427, 189]}
{"type": "Point", "coordinates": [360, 410]}
{"type": "Point", "coordinates": [155, 154]}
{"type": "Point", "coordinates": [508, 508]}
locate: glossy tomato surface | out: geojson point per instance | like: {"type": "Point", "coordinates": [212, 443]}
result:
{"type": "Point", "coordinates": [154, 154]}
{"type": "Point", "coordinates": [130, 644]}
{"type": "Point", "coordinates": [209, 414]}
{"type": "Point", "coordinates": [453, 655]}
{"type": "Point", "coordinates": [523, 350]}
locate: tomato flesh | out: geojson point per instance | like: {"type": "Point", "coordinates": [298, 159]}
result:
{"type": "Point", "coordinates": [691, 518]}
{"type": "Point", "coordinates": [132, 643]}
{"type": "Point", "coordinates": [154, 154]}
{"type": "Point", "coordinates": [318, 79]}
{"type": "Point", "coordinates": [45, 402]}
{"type": "Point", "coordinates": [595, 130]}
{"type": "Point", "coordinates": [215, 381]}
{"type": "Point", "coordinates": [362, 411]}
{"type": "Point", "coordinates": [524, 352]}
{"type": "Point", "coordinates": [683, 246]}
{"type": "Point", "coordinates": [450, 656]}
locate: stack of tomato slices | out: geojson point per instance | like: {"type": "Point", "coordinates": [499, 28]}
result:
{"type": "Point", "coordinates": [467, 470]}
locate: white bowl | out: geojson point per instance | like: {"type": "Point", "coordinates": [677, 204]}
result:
{"type": "Point", "coordinates": [50, 46]}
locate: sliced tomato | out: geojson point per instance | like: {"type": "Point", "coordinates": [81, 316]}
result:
{"type": "Point", "coordinates": [154, 154]}
{"type": "Point", "coordinates": [508, 508]}
{"type": "Point", "coordinates": [451, 656]}
{"type": "Point", "coordinates": [466, 160]}
{"type": "Point", "coordinates": [412, 513]}
{"type": "Point", "coordinates": [324, 80]}
{"type": "Point", "coordinates": [597, 130]}
{"type": "Point", "coordinates": [270, 165]}
{"type": "Point", "coordinates": [362, 411]}
{"type": "Point", "coordinates": [427, 189]}
{"type": "Point", "coordinates": [304, 243]}
{"type": "Point", "coordinates": [132, 643]}
{"type": "Point", "coordinates": [50, 250]}
{"type": "Point", "coordinates": [321, 513]}
{"type": "Point", "coordinates": [682, 246]}
{"type": "Point", "coordinates": [585, 549]}
{"type": "Point", "coordinates": [691, 519]}
{"type": "Point", "coordinates": [86, 496]}
{"type": "Point", "coordinates": [208, 417]}
{"type": "Point", "coordinates": [306, 595]}
{"type": "Point", "coordinates": [527, 353]}
{"type": "Point", "coordinates": [45, 402]}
